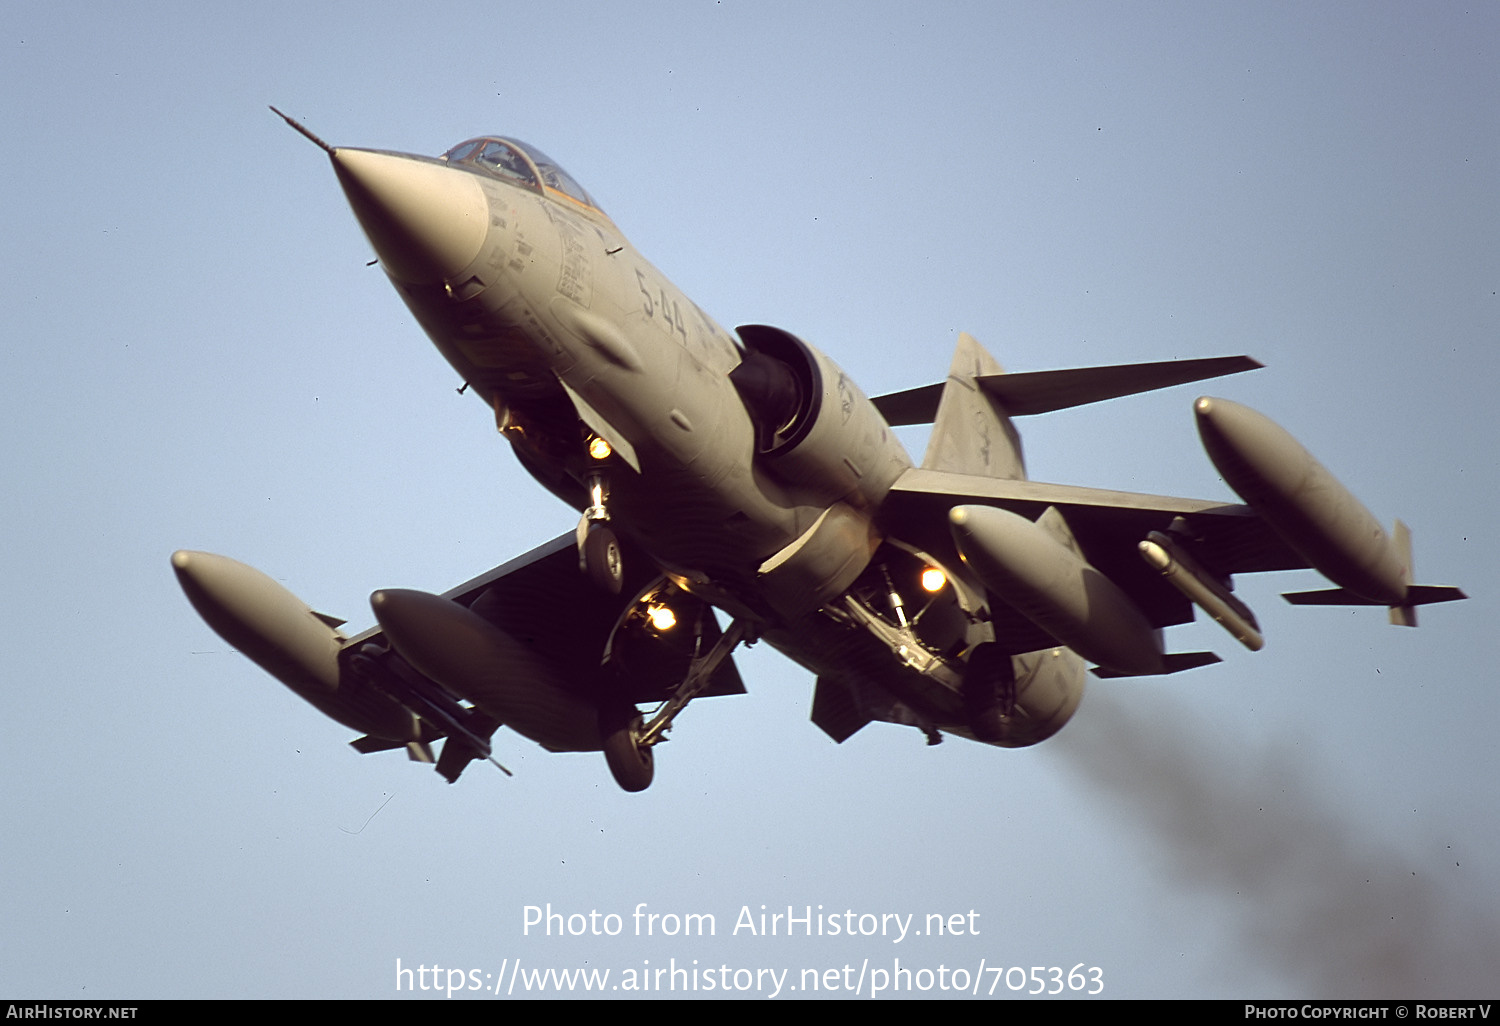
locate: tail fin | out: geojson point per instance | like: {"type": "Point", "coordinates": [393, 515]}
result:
{"type": "Point", "coordinates": [971, 432]}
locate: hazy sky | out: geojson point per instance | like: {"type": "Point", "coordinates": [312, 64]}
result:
{"type": "Point", "coordinates": [197, 356]}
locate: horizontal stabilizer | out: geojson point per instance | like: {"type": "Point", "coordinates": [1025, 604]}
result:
{"type": "Point", "coordinates": [1045, 391]}
{"type": "Point", "coordinates": [1173, 662]}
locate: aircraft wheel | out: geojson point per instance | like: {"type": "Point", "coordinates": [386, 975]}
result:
{"type": "Point", "coordinates": [602, 558]}
{"type": "Point", "coordinates": [988, 724]}
{"type": "Point", "coordinates": [630, 761]}
{"type": "Point", "coordinates": [989, 691]}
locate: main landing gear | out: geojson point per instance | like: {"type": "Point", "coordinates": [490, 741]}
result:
{"type": "Point", "coordinates": [989, 689]}
{"type": "Point", "coordinates": [628, 737]}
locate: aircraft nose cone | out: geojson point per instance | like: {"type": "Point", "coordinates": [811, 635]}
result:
{"type": "Point", "coordinates": [427, 222]}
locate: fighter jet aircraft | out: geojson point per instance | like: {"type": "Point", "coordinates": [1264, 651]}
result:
{"type": "Point", "coordinates": [743, 474]}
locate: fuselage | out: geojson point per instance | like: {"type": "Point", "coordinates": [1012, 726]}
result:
{"type": "Point", "coordinates": [748, 467]}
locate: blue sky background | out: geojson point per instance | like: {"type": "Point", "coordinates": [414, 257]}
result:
{"type": "Point", "coordinates": [197, 356]}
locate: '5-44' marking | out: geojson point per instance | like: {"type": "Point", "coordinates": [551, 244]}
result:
{"type": "Point", "coordinates": [661, 307]}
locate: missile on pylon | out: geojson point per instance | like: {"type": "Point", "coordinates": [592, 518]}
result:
{"type": "Point", "coordinates": [1184, 573]}
{"type": "Point", "coordinates": [471, 658]}
{"type": "Point", "coordinates": [1023, 564]}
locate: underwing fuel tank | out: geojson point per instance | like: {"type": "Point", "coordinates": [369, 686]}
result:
{"type": "Point", "coordinates": [287, 639]}
{"type": "Point", "coordinates": [474, 659]}
{"type": "Point", "coordinates": [1302, 502]}
{"type": "Point", "coordinates": [1026, 566]}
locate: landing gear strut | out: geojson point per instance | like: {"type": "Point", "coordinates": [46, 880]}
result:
{"type": "Point", "coordinates": [598, 549]}
{"type": "Point", "coordinates": [628, 740]}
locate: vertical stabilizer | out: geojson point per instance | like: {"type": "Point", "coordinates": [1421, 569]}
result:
{"type": "Point", "coordinates": [971, 433]}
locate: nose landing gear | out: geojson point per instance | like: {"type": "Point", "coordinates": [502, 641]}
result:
{"type": "Point", "coordinates": [598, 549]}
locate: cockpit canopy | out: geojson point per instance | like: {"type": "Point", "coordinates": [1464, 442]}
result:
{"type": "Point", "coordinates": [514, 161]}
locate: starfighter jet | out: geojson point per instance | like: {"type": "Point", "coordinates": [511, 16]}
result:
{"type": "Point", "coordinates": [741, 476]}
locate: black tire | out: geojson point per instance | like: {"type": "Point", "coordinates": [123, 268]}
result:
{"type": "Point", "coordinates": [631, 762]}
{"type": "Point", "coordinates": [602, 559]}
{"type": "Point", "coordinates": [989, 691]}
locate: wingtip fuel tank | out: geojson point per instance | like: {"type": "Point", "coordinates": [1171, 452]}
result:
{"type": "Point", "coordinates": [1304, 503]}
{"type": "Point", "coordinates": [276, 629]}
{"type": "Point", "coordinates": [284, 636]}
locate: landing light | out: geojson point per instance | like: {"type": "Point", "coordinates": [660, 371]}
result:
{"type": "Point", "coordinates": [662, 618]}
{"type": "Point", "coordinates": [599, 448]}
{"type": "Point", "coordinates": [933, 580]}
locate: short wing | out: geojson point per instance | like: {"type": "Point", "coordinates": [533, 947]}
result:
{"type": "Point", "coordinates": [1108, 525]}
{"type": "Point", "coordinates": [542, 572]}
{"type": "Point", "coordinates": [542, 600]}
